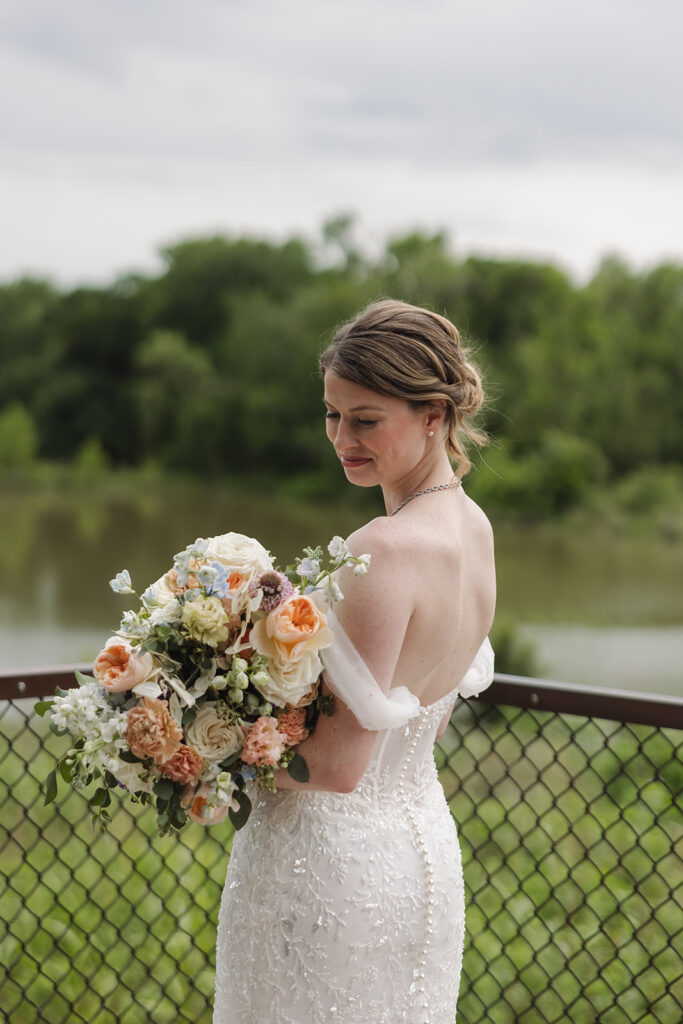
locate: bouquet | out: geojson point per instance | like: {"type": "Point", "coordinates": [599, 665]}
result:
{"type": "Point", "coordinates": [211, 683]}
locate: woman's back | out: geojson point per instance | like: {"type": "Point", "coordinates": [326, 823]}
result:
{"type": "Point", "coordinates": [442, 555]}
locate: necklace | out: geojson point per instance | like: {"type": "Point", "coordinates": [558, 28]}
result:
{"type": "Point", "coordinates": [440, 487]}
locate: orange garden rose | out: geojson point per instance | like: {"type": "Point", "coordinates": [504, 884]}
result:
{"type": "Point", "coordinates": [119, 667]}
{"type": "Point", "coordinates": [184, 766]}
{"type": "Point", "coordinates": [294, 627]}
{"type": "Point", "coordinates": [152, 732]}
{"type": "Point", "coordinates": [195, 805]}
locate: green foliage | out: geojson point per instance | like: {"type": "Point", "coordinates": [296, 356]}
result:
{"type": "Point", "coordinates": [18, 437]}
{"type": "Point", "coordinates": [210, 369]}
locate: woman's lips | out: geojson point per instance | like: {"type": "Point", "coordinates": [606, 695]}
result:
{"type": "Point", "coordinates": [347, 461]}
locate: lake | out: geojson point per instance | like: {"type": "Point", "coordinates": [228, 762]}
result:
{"type": "Point", "coordinates": [599, 609]}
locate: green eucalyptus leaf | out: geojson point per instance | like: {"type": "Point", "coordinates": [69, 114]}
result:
{"type": "Point", "coordinates": [129, 757]}
{"type": "Point", "coordinates": [164, 789]}
{"type": "Point", "coordinates": [65, 770]}
{"type": "Point", "coordinates": [240, 817]}
{"type": "Point", "coordinates": [100, 798]}
{"type": "Point", "coordinates": [82, 679]}
{"type": "Point", "coordinates": [298, 769]}
{"type": "Point", "coordinates": [189, 715]}
{"type": "Point", "coordinates": [41, 706]}
{"type": "Point", "coordinates": [51, 787]}
{"type": "Point", "coordinates": [230, 761]}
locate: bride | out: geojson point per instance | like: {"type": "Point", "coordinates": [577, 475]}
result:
{"type": "Point", "coordinates": [344, 897]}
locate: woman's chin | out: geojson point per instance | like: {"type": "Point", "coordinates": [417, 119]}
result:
{"type": "Point", "coordinates": [359, 474]}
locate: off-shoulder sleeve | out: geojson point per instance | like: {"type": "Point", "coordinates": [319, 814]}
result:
{"type": "Point", "coordinates": [480, 673]}
{"type": "Point", "coordinates": [350, 679]}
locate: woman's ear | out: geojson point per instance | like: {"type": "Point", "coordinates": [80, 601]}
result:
{"type": "Point", "coordinates": [435, 416]}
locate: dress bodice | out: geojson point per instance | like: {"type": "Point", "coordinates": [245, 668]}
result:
{"type": "Point", "coordinates": [350, 906]}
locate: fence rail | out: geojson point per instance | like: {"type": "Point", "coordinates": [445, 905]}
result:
{"type": "Point", "coordinates": [513, 691]}
{"type": "Point", "coordinates": [565, 799]}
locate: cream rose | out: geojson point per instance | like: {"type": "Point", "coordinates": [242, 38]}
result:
{"type": "Point", "coordinates": [119, 667]}
{"type": "Point", "coordinates": [206, 619]}
{"type": "Point", "coordinates": [212, 735]}
{"type": "Point", "coordinates": [243, 555]}
{"type": "Point", "coordinates": [287, 682]}
{"type": "Point", "coordinates": [293, 628]}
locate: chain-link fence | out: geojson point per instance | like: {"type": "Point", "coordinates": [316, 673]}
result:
{"type": "Point", "coordinates": [572, 848]}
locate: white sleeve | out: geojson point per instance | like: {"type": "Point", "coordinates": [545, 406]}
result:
{"type": "Point", "coordinates": [480, 673]}
{"type": "Point", "coordinates": [350, 679]}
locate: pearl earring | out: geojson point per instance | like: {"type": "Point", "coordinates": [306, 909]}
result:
{"type": "Point", "coordinates": [431, 433]}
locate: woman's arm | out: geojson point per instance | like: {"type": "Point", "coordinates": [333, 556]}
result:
{"type": "Point", "coordinates": [375, 614]}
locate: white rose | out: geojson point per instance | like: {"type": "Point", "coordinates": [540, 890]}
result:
{"type": "Point", "coordinates": [212, 735]}
{"type": "Point", "coordinates": [169, 612]}
{"type": "Point", "coordinates": [241, 554]}
{"type": "Point", "coordinates": [159, 593]}
{"type": "Point", "coordinates": [288, 681]}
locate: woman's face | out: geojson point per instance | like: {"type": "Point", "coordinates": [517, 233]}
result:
{"type": "Point", "coordinates": [379, 439]}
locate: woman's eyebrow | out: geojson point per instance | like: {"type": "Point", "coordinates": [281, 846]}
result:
{"type": "Point", "coordinates": [359, 408]}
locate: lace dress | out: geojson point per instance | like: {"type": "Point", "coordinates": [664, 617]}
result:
{"type": "Point", "coordinates": [349, 908]}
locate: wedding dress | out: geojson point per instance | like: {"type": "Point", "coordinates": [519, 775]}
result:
{"type": "Point", "coordinates": [349, 907]}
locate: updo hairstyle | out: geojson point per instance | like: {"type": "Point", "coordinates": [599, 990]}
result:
{"type": "Point", "coordinates": [410, 353]}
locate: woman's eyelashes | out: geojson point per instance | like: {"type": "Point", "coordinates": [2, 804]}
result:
{"type": "Point", "coordinates": [359, 422]}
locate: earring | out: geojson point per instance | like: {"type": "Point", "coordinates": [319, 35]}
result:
{"type": "Point", "coordinates": [431, 433]}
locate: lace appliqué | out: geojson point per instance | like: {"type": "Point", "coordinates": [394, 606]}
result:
{"type": "Point", "coordinates": [347, 907]}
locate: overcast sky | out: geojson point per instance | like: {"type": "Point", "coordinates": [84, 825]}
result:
{"type": "Point", "coordinates": [520, 128]}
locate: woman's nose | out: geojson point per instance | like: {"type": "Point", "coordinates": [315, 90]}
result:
{"type": "Point", "coordinates": [345, 436]}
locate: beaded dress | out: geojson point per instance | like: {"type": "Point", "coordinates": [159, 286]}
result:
{"type": "Point", "coordinates": [349, 907]}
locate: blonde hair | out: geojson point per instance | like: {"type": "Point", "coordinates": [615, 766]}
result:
{"type": "Point", "coordinates": [416, 355]}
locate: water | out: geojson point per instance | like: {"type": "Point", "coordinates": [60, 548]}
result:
{"type": "Point", "coordinates": [599, 610]}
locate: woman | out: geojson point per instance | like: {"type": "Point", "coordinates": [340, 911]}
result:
{"type": "Point", "coordinates": [344, 897]}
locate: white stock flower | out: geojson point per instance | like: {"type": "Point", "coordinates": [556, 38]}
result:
{"type": "Point", "coordinates": [121, 584]}
{"type": "Point", "coordinates": [332, 590]}
{"type": "Point", "coordinates": [308, 567]}
{"type": "Point", "coordinates": [338, 549]}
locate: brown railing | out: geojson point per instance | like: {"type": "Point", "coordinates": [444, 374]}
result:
{"type": "Point", "coordinates": [513, 691]}
{"type": "Point", "coordinates": [565, 799]}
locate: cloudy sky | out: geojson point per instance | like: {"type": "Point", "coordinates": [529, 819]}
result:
{"type": "Point", "coordinates": [520, 128]}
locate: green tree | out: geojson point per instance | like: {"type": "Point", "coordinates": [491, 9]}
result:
{"type": "Point", "coordinates": [18, 437]}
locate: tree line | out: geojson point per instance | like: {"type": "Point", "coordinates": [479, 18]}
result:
{"type": "Point", "coordinates": [209, 367]}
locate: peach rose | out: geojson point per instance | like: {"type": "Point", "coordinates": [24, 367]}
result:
{"type": "Point", "coordinates": [151, 731]}
{"type": "Point", "coordinates": [264, 745]}
{"type": "Point", "coordinates": [185, 766]}
{"type": "Point", "coordinates": [194, 802]}
{"type": "Point", "coordinates": [292, 725]}
{"type": "Point", "coordinates": [295, 627]}
{"type": "Point", "coordinates": [171, 578]}
{"type": "Point", "coordinates": [119, 667]}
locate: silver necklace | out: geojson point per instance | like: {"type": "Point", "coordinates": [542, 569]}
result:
{"type": "Point", "coordinates": [439, 487]}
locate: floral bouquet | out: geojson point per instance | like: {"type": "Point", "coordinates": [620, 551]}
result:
{"type": "Point", "coordinates": [212, 682]}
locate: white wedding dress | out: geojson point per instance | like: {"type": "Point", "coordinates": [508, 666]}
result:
{"type": "Point", "coordinates": [349, 908]}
